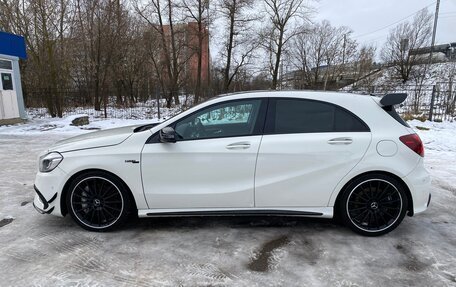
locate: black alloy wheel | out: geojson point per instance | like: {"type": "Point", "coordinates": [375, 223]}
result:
{"type": "Point", "coordinates": [98, 201]}
{"type": "Point", "coordinates": [373, 205]}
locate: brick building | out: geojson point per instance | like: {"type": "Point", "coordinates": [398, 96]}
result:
{"type": "Point", "coordinates": [187, 39]}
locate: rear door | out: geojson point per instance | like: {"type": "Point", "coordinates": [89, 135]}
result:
{"type": "Point", "coordinates": [307, 148]}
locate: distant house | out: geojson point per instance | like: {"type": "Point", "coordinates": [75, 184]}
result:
{"type": "Point", "coordinates": [12, 47]}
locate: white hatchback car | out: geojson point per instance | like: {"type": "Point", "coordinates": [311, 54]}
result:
{"type": "Point", "coordinates": [294, 153]}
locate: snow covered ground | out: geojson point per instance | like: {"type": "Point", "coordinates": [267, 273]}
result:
{"type": "Point", "coordinates": [40, 250]}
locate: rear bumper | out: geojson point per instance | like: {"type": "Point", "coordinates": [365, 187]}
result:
{"type": "Point", "coordinates": [419, 183]}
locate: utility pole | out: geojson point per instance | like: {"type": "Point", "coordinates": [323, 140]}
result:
{"type": "Point", "coordinates": [436, 17]}
{"type": "Point", "coordinates": [434, 31]}
{"type": "Point", "coordinates": [344, 47]}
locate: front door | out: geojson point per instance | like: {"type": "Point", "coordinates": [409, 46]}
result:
{"type": "Point", "coordinates": [212, 164]}
{"type": "Point", "coordinates": [8, 100]}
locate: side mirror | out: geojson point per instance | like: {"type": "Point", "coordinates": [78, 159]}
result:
{"type": "Point", "coordinates": [167, 135]}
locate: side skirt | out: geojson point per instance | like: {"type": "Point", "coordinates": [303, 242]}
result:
{"type": "Point", "coordinates": [322, 212]}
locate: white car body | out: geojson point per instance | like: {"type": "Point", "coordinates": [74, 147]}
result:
{"type": "Point", "coordinates": [299, 173]}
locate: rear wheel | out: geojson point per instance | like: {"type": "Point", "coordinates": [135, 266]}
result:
{"type": "Point", "coordinates": [98, 201]}
{"type": "Point", "coordinates": [373, 205]}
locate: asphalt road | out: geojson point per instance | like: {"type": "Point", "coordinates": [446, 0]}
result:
{"type": "Point", "coordinates": [42, 250]}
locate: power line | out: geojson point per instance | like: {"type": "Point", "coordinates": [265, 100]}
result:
{"type": "Point", "coordinates": [392, 24]}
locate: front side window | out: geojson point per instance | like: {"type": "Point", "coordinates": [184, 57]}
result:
{"type": "Point", "coordinates": [234, 118]}
{"type": "Point", "coordinates": [308, 116]}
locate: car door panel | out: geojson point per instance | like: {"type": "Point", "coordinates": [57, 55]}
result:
{"type": "Point", "coordinates": [200, 174]}
{"type": "Point", "coordinates": [303, 169]}
{"type": "Point", "coordinates": [308, 147]}
{"type": "Point", "coordinates": [212, 164]}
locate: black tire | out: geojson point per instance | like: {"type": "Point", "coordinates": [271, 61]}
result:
{"type": "Point", "coordinates": [98, 201]}
{"type": "Point", "coordinates": [373, 205]}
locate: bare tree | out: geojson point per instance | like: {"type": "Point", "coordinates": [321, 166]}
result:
{"type": "Point", "coordinates": [405, 38]}
{"type": "Point", "coordinates": [284, 16]}
{"type": "Point", "coordinates": [99, 29]}
{"type": "Point", "coordinates": [322, 54]}
{"type": "Point", "coordinates": [197, 12]}
{"type": "Point", "coordinates": [364, 67]}
{"type": "Point", "coordinates": [160, 15]}
{"type": "Point", "coordinates": [238, 42]}
{"type": "Point", "coordinates": [47, 26]}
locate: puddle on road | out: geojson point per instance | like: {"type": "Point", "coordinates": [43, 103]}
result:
{"type": "Point", "coordinates": [5, 221]}
{"type": "Point", "coordinates": [263, 261]}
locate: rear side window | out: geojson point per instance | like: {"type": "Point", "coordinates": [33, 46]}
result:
{"type": "Point", "coordinates": [345, 121]}
{"type": "Point", "coordinates": [310, 116]}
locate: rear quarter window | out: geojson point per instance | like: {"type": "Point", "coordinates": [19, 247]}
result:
{"type": "Point", "coordinates": [390, 110]}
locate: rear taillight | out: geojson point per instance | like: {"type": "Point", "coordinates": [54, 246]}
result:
{"type": "Point", "coordinates": [414, 142]}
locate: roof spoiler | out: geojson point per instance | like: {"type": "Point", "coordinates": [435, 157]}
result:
{"type": "Point", "coordinates": [393, 99]}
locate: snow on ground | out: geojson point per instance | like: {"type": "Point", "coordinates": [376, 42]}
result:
{"type": "Point", "coordinates": [42, 250]}
{"type": "Point", "coordinates": [435, 73]}
{"type": "Point", "coordinates": [63, 126]}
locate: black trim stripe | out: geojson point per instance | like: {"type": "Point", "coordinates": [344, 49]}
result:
{"type": "Point", "coordinates": [42, 198]}
{"type": "Point", "coordinates": [53, 198]}
{"type": "Point", "coordinates": [50, 210]}
{"type": "Point", "coordinates": [272, 212]}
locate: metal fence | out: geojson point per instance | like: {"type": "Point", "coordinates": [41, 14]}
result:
{"type": "Point", "coordinates": [75, 103]}
{"type": "Point", "coordinates": [433, 102]}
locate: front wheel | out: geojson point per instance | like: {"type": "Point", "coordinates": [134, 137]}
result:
{"type": "Point", "coordinates": [98, 201]}
{"type": "Point", "coordinates": [373, 205]}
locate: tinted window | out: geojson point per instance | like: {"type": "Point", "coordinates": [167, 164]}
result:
{"type": "Point", "coordinates": [347, 122]}
{"type": "Point", "coordinates": [7, 81]}
{"type": "Point", "coordinates": [236, 118]}
{"type": "Point", "coordinates": [5, 64]}
{"type": "Point", "coordinates": [307, 116]}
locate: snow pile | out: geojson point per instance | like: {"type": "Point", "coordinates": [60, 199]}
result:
{"type": "Point", "coordinates": [436, 136]}
{"type": "Point", "coordinates": [57, 125]}
{"type": "Point", "coordinates": [39, 120]}
{"type": "Point", "coordinates": [388, 80]}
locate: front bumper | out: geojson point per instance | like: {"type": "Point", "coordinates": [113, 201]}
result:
{"type": "Point", "coordinates": [48, 190]}
{"type": "Point", "coordinates": [41, 201]}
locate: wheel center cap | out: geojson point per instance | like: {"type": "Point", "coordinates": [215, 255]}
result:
{"type": "Point", "coordinates": [374, 205]}
{"type": "Point", "coordinates": [96, 202]}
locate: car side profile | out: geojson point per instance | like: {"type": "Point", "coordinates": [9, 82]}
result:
{"type": "Point", "coordinates": [294, 153]}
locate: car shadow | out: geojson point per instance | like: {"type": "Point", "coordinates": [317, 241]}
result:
{"type": "Point", "coordinates": [196, 222]}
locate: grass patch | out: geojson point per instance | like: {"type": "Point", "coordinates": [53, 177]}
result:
{"type": "Point", "coordinates": [422, 128]}
{"type": "Point", "coordinates": [409, 117]}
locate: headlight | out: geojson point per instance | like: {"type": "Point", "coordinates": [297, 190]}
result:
{"type": "Point", "coordinates": [50, 161]}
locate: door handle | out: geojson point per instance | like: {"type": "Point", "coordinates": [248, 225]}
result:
{"type": "Point", "coordinates": [339, 141]}
{"type": "Point", "coordinates": [239, 145]}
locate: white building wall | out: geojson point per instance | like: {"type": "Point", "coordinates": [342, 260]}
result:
{"type": "Point", "coordinates": [11, 101]}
